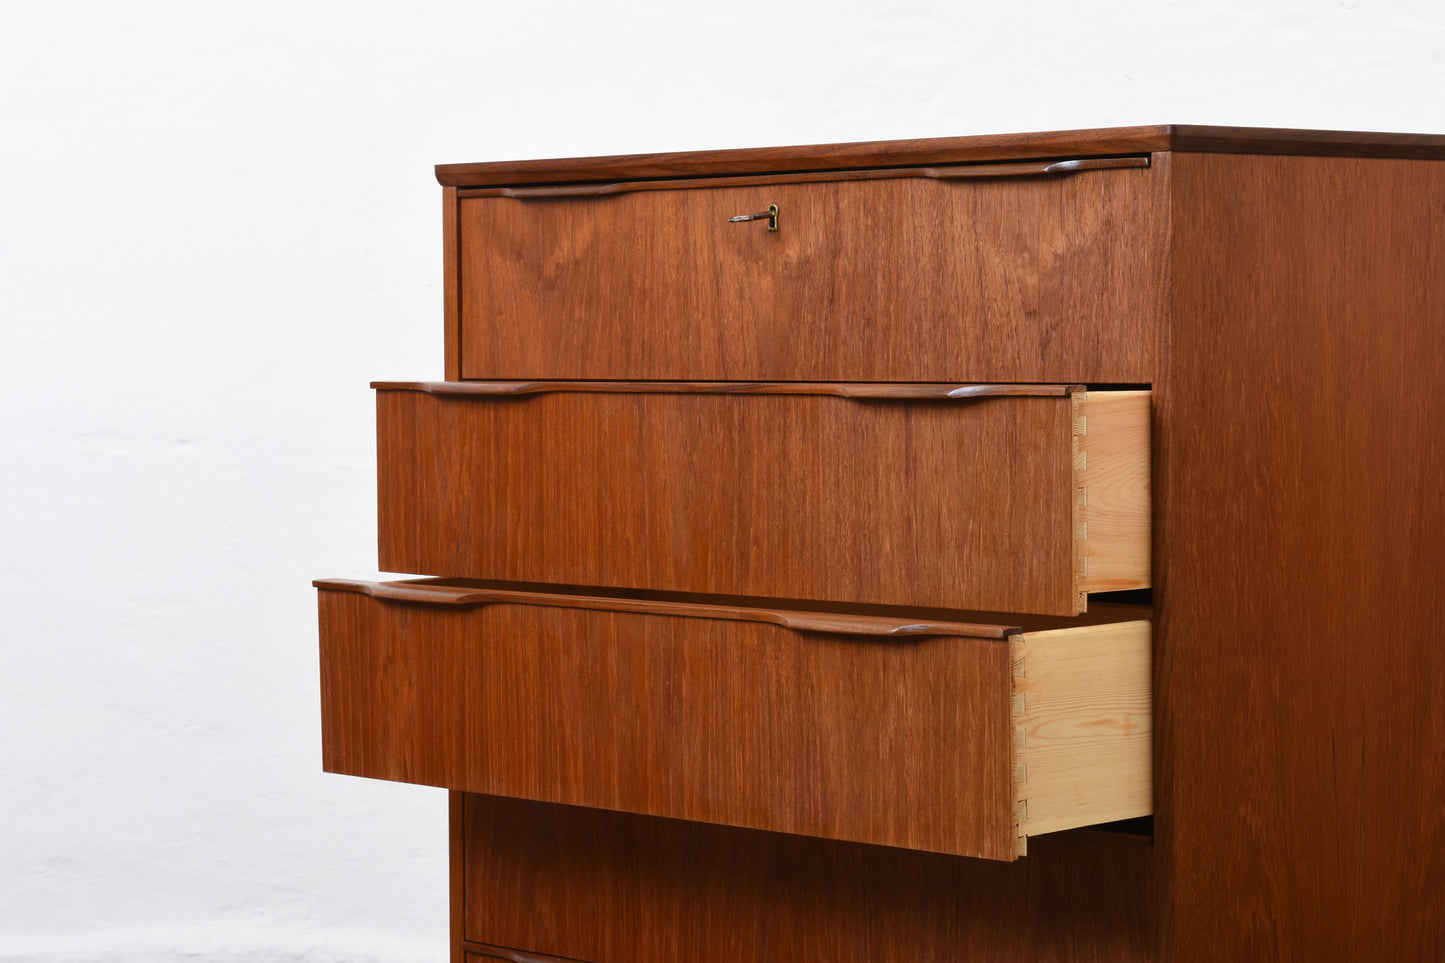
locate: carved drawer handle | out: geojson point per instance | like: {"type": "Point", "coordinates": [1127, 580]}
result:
{"type": "Point", "coordinates": [943, 172]}
{"type": "Point", "coordinates": [437, 592]}
{"type": "Point", "coordinates": [872, 391]}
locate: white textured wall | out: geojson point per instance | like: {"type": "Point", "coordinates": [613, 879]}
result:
{"type": "Point", "coordinates": [218, 223]}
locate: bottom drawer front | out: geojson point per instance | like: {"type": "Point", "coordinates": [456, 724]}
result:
{"type": "Point", "coordinates": [869, 729]}
{"type": "Point", "coordinates": [609, 887]}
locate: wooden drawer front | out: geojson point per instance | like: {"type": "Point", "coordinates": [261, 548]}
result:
{"type": "Point", "coordinates": [926, 735]}
{"type": "Point", "coordinates": [613, 887]}
{"type": "Point", "coordinates": [970, 502]}
{"type": "Point", "coordinates": [1052, 277]}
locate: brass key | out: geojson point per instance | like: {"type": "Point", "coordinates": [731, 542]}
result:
{"type": "Point", "coordinates": [771, 214]}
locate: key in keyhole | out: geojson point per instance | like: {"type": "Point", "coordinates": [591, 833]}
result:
{"type": "Point", "coordinates": [771, 214]}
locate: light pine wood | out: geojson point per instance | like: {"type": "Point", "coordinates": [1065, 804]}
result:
{"type": "Point", "coordinates": [1111, 465]}
{"type": "Point", "coordinates": [1082, 727]}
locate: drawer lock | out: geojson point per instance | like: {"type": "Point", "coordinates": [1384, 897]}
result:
{"type": "Point", "coordinates": [771, 214]}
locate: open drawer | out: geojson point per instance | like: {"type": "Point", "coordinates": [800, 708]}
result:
{"type": "Point", "coordinates": [1005, 498]}
{"type": "Point", "coordinates": [916, 732]}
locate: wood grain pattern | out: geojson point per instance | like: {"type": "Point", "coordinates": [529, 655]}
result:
{"type": "Point", "coordinates": [1302, 537]}
{"type": "Point", "coordinates": [948, 504]}
{"type": "Point", "coordinates": [896, 741]}
{"type": "Point", "coordinates": [1029, 279]}
{"type": "Point", "coordinates": [1082, 726]}
{"type": "Point", "coordinates": [948, 150]}
{"type": "Point", "coordinates": [615, 888]}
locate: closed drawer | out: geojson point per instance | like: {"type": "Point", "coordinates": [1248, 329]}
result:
{"type": "Point", "coordinates": [920, 733]}
{"type": "Point", "coordinates": [1041, 271]}
{"type": "Point", "coordinates": [991, 497]}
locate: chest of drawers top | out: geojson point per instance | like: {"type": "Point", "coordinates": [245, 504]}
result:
{"type": "Point", "coordinates": [1104, 142]}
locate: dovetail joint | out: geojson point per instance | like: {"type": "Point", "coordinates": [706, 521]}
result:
{"type": "Point", "coordinates": [1081, 501]}
{"type": "Point", "coordinates": [1018, 700]}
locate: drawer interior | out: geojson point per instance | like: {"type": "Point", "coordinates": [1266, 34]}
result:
{"type": "Point", "coordinates": [1082, 720]}
{"type": "Point", "coordinates": [1114, 504]}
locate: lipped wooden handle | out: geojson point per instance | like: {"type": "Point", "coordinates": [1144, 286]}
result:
{"type": "Point", "coordinates": [433, 592]}
{"type": "Point", "coordinates": [901, 392]}
{"type": "Point", "coordinates": [941, 173]}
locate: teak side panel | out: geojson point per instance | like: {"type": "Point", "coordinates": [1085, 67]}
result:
{"type": "Point", "coordinates": [1050, 278]}
{"type": "Point", "coordinates": [1301, 708]}
{"type": "Point", "coordinates": [895, 741]}
{"type": "Point", "coordinates": [609, 887]}
{"type": "Point", "coordinates": [945, 504]}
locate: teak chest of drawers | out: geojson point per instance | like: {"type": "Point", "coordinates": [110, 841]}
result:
{"type": "Point", "coordinates": [992, 548]}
